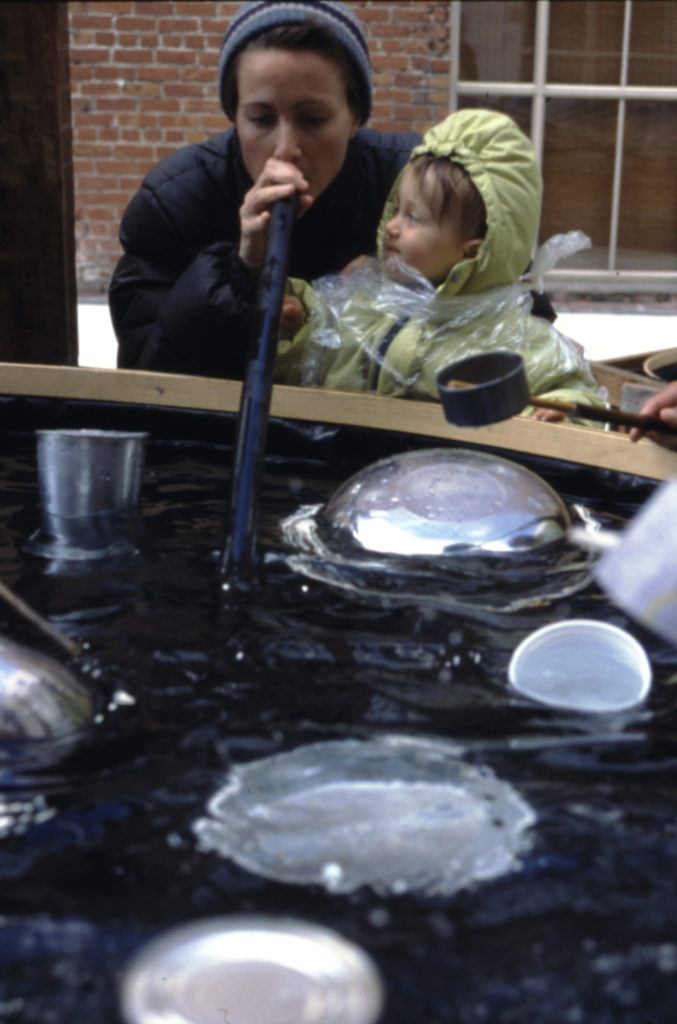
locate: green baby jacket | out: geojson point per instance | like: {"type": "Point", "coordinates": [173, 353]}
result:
{"type": "Point", "coordinates": [367, 331]}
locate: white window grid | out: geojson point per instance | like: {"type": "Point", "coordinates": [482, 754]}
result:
{"type": "Point", "coordinates": [611, 278]}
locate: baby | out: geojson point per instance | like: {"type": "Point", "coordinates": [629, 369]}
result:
{"type": "Point", "coordinates": [457, 232]}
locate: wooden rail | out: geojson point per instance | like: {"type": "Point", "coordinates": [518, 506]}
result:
{"type": "Point", "coordinates": [566, 441]}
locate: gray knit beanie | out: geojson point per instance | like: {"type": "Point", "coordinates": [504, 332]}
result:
{"type": "Point", "coordinates": [255, 17]}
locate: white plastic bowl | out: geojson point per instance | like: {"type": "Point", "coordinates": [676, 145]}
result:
{"type": "Point", "coordinates": [582, 665]}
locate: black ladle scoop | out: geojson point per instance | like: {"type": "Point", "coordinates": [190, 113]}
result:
{"type": "Point", "coordinates": [488, 388]}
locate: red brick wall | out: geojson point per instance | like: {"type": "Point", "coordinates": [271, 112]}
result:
{"type": "Point", "coordinates": [143, 83]}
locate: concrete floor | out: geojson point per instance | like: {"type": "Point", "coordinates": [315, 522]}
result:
{"type": "Point", "coordinates": [603, 335]}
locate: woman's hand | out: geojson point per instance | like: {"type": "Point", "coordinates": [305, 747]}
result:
{"type": "Point", "coordinates": [663, 406]}
{"type": "Point", "coordinates": [277, 180]}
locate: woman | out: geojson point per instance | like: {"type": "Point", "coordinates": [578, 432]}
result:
{"type": "Point", "coordinates": [295, 79]}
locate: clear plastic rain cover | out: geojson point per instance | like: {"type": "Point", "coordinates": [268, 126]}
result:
{"type": "Point", "coordinates": [374, 331]}
{"type": "Point", "coordinates": [394, 813]}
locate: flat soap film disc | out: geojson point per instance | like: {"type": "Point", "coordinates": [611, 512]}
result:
{"type": "Point", "coordinates": [445, 501]}
{"type": "Point", "coordinates": [394, 813]}
{"type": "Point", "coordinates": [251, 970]}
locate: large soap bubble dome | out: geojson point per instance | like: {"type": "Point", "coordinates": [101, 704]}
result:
{"type": "Point", "coordinates": [441, 527]}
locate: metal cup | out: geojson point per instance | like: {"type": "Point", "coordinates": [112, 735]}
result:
{"type": "Point", "coordinates": [90, 472]}
{"type": "Point", "coordinates": [90, 485]}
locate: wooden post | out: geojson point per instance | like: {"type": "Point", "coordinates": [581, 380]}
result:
{"type": "Point", "coordinates": [38, 296]}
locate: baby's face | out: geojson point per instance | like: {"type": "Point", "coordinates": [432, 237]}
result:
{"type": "Point", "coordinates": [415, 235]}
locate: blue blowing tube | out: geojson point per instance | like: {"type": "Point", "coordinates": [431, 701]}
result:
{"type": "Point", "coordinates": [239, 554]}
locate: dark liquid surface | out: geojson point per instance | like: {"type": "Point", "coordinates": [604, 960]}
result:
{"type": "Point", "coordinates": [97, 853]}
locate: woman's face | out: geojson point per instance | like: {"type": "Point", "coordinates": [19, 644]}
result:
{"type": "Point", "coordinates": [292, 105]}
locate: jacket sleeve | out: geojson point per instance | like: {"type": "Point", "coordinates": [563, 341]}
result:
{"type": "Point", "coordinates": [173, 317]}
{"type": "Point", "coordinates": [196, 322]}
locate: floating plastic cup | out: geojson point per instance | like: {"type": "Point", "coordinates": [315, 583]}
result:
{"type": "Point", "coordinates": [251, 970]}
{"type": "Point", "coordinates": [89, 480]}
{"type": "Point", "coordinates": [582, 665]}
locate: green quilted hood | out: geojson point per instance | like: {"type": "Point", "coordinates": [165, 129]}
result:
{"type": "Point", "coordinates": [501, 162]}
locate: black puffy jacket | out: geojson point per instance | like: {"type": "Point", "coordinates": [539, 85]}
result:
{"type": "Point", "coordinates": [180, 298]}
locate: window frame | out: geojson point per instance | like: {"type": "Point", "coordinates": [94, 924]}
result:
{"type": "Point", "coordinates": [610, 278]}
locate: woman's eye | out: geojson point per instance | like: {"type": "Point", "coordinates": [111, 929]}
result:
{"type": "Point", "coordinates": [261, 120]}
{"type": "Point", "coordinates": [313, 120]}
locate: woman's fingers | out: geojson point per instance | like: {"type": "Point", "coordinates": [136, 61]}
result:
{"type": "Point", "coordinates": [278, 180]}
{"type": "Point", "coordinates": [254, 218]}
{"type": "Point", "coordinates": [668, 441]}
{"type": "Point", "coordinates": [663, 406]}
{"type": "Point", "coordinates": [276, 172]}
{"type": "Point", "coordinates": [259, 201]}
